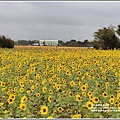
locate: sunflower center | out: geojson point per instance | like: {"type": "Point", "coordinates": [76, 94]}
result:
{"type": "Point", "coordinates": [23, 107]}
{"type": "Point", "coordinates": [44, 110]}
{"type": "Point", "coordinates": [89, 105]}
{"type": "Point", "coordinates": [10, 100]}
{"type": "Point", "coordinates": [96, 99]}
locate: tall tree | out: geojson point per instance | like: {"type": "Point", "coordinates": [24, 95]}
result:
{"type": "Point", "coordinates": [107, 37]}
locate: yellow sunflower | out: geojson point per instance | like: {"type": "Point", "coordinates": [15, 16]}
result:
{"type": "Point", "coordinates": [76, 116]}
{"type": "Point", "coordinates": [112, 101]}
{"type": "Point", "coordinates": [12, 96]}
{"type": "Point", "coordinates": [10, 100]}
{"type": "Point", "coordinates": [83, 93]}
{"type": "Point", "coordinates": [23, 106]}
{"type": "Point", "coordinates": [78, 98]}
{"type": "Point", "coordinates": [21, 89]}
{"type": "Point", "coordinates": [44, 89]}
{"type": "Point", "coordinates": [49, 117]}
{"type": "Point", "coordinates": [104, 94]}
{"type": "Point", "coordinates": [5, 111]}
{"type": "Point", "coordinates": [28, 91]}
{"type": "Point", "coordinates": [44, 110]}
{"type": "Point", "coordinates": [72, 83]}
{"type": "Point", "coordinates": [58, 86]}
{"type": "Point", "coordinates": [1, 104]}
{"type": "Point", "coordinates": [89, 105]}
{"type": "Point", "coordinates": [89, 93]}
{"type": "Point", "coordinates": [51, 91]}
{"type": "Point", "coordinates": [23, 99]}
{"type": "Point", "coordinates": [95, 99]}
{"type": "Point", "coordinates": [37, 85]}
{"type": "Point", "coordinates": [83, 87]}
{"type": "Point", "coordinates": [50, 99]}
{"type": "Point", "coordinates": [118, 106]}
{"type": "Point", "coordinates": [60, 109]}
{"type": "Point", "coordinates": [37, 94]}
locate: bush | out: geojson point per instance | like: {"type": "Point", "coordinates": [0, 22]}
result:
{"type": "Point", "coordinates": [6, 42]}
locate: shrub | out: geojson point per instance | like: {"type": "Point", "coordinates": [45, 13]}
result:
{"type": "Point", "coordinates": [6, 42]}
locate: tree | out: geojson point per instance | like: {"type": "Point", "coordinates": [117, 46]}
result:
{"type": "Point", "coordinates": [96, 44]}
{"type": "Point", "coordinates": [118, 32]}
{"type": "Point", "coordinates": [107, 37]}
{"type": "Point", "coordinates": [6, 42]}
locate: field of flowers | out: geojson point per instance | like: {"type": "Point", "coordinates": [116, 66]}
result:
{"type": "Point", "coordinates": [59, 83]}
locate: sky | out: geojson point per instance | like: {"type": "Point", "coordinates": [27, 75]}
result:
{"type": "Point", "coordinates": [59, 20]}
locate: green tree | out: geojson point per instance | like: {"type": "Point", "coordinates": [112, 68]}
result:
{"type": "Point", "coordinates": [107, 37]}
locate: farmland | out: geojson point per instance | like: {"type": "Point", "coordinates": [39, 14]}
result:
{"type": "Point", "coordinates": [50, 82]}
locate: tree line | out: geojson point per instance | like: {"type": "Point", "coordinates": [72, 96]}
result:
{"type": "Point", "coordinates": [104, 38]}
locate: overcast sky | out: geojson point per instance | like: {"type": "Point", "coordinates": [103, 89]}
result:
{"type": "Point", "coordinates": [56, 20]}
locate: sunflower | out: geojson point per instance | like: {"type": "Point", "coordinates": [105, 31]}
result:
{"type": "Point", "coordinates": [55, 111]}
{"type": "Point", "coordinates": [50, 99]}
{"type": "Point", "coordinates": [10, 100]}
{"type": "Point", "coordinates": [21, 84]}
{"type": "Point", "coordinates": [5, 111]}
{"type": "Point", "coordinates": [30, 81]}
{"type": "Point", "coordinates": [37, 85]}
{"type": "Point", "coordinates": [83, 87]}
{"type": "Point", "coordinates": [1, 104]}
{"type": "Point", "coordinates": [107, 84]}
{"type": "Point", "coordinates": [71, 94]}
{"type": "Point", "coordinates": [12, 96]}
{"type": "Point", "coordinates": [43, 81]}
{"type": "Point", "coordinates": [72, 83]}
{"type": "Point", "coordinates": [49, 117]}
{"type": "Point", "coordinates": [68, 110]}
{"type": "Point", "coordinates": [104, 94]}
{"type": "Point", "coordinates": [89, 105]}
{"type": "Point", "coordinates": [78, 98]}
{"type": "Point", "coordinates": [28, 91]}
{"type": "Point", "coordinates": [78, 73]}
{"type": "Point", "coordinates": [76, 116]}
{"type": "Point", "coordinates": [21, 89]}
{"type": "Point", "coordinates": [44, 110]}
{"type": "Point", "coordinates": [3, 84]}
{"type": "Point", "coordinates": [58, 86]}
{"type": "Point", "coordinates": [15, 88]}
{"type": "Point", "coordinates": [37, 94]}
{"type": "Point", "coordinates": [51, 91]}
{"type": "Point", "coordinates": [3, 97]}
{"type": "Point", "coordinates": [44, 89]}
{"type": "Point", "coordinates": [83, 93]}
{"type": "Point", "coordinates": [23, 99]}
{"type": "Point", "coordinates": [23, 106]}
{"type": "Point", "coordinates": [32, 88]}
{"type": "Point", "coordinates": [60, 109]}
{"type": "Point", "coordinates": [89, 93]}
{"type": "Point", "coordinates": [112, 101]}
{"type": "Point", "coordinates": [95, 100]}
{"type": "Point", "coordinates": [112, 96]}
{"type": "Point", "coordinates": [118, 106]}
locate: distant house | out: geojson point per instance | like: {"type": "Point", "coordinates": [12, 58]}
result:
{"type": "Point", "coordinates": [90, 45]}
{"type": "Point", "coordinates": [35, 44]}
{"type": "Point", "coordinates": [48, 42]}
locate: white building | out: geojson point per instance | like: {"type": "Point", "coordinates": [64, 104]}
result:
{"type": "Point", "coordinates": [48, 42]}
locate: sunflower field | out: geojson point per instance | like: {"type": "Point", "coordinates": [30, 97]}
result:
{"type": "Point", "coordinates": [59, 83]}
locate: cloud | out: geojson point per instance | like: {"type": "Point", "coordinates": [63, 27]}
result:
{"type": "Point", "coordinates": [56, 20]}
